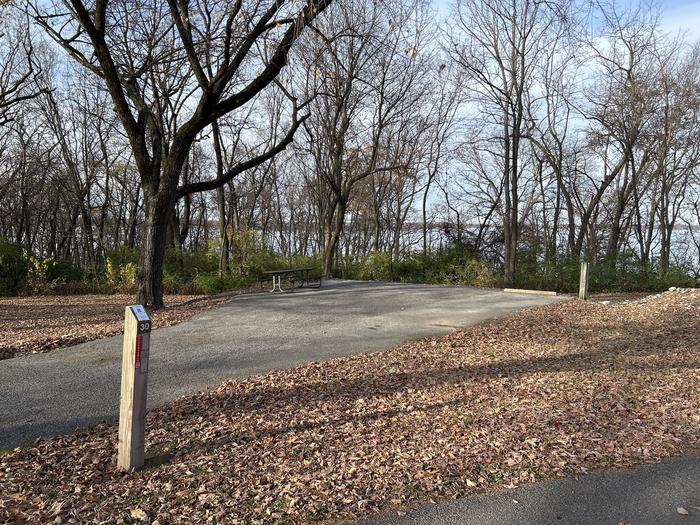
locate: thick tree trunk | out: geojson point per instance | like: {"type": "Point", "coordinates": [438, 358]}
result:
{"type": "Point", "coordinates": [510, 193]}
{"type": "Point", "coordinates": [666, 237]}
{"type": "Point", "coordinates": [223, 235]}
{"type": "Point", "coordinates": [157, 209]}
{"type": "Point", "coordinates": [133, 220]}
{"type": "Point", "coordinates": [425, 216]}
{"type": "Point", "coordinates": [334, 229]}
{"type": "Point", "coordinates": [613, 248]}
{"type": "Point", "coordinates": [88, 238]}
{"type": "Point", "coordinates": [221, 201]}
{"type": "Point", "coordinates": [510, 221]}
{"type": "Point", "coordinates": [377, 230]}
{"type": "Point", "coordinates": [328, 255]}
{"type": "Point", "coordinates": [508, 255]}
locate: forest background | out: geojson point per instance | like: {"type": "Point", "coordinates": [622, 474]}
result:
{"type": "Point", "coordinates": [487, 143]}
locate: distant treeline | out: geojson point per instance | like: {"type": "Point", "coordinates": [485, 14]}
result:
{"type": "Point", "coordinates": [500, 143]}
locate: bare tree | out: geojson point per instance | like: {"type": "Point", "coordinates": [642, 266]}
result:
{"type": "Point", "coordinates": [498, 44]}
{"type": "Point", "coordinates": [369, 83]}
{"type": "Point", "coordinates": [443, 114]}
{"type": "Point", "coordinates": [21, 70]}
{"type": "Point", "coordinates": [163, 92]}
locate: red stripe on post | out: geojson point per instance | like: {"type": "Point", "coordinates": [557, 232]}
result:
{"type": "Point", "coordinates": [139, 346]}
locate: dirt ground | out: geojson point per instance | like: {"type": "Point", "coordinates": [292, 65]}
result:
{"type": "Point", "coordinates": [41, 324]}
{"type": "Point", "coordinates": [549, 392]}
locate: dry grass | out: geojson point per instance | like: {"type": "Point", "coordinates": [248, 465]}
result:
{"type": "Point", "coordinates": [44, 323]}
{"type": "Point", "coordinates": [549, 392]}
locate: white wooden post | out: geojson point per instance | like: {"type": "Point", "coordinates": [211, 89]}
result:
{"type": "Point", "coordinates": [132, 408]}
{"type": "Point", "coordinates": [583, 282]}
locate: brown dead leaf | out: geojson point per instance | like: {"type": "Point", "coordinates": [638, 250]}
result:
{"type": "Point", "coordinates": [40, 324]}
{"type": "Point", "coordinates": [549, 392]}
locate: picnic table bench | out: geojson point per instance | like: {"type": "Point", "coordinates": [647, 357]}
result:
{"type": "Point", "coordinates": [295, 277]}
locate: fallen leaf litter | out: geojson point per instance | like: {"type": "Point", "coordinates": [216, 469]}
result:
{"type": "Point", "coordinates": [549, 392]}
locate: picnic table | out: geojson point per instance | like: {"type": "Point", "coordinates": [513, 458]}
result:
{"type": "Point", "coordinates": [297, 277]}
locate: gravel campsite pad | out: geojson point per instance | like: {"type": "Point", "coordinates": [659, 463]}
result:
{"type": "Point", "coordinates": [549, 392]}
{"type": "Point", "coordinates": [40, 324]}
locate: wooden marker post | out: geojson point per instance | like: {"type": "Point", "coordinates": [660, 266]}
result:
{"type": "Point", "coordinates": [583, 282]}
{"type": "Point", "coordinates": [132, 408]}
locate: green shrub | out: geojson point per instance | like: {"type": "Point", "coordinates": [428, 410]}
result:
{"type": "Point", "coordinates": [38, 271]}
{"type": "Point", "coordinates": [172, 283]}
{"type": "Point", "coordinates": [375, 267]}
{"type": "Point", "coordinates": [476, 273]}
{"type": "Point", "coordinates": [186, 266]}
{"type": "Point", "coordinates": [209, 283]}
{"type": "Point", "coordinates": [213, 283]}
{"type": "Point", "coordinates": [13, 268]}
{"type": "Point", "coordinates": [626, 274]}
{"type": "Point", "coordinates": [299, 261]}
{"type": "Point", "coordinates": [412, 269]}
{"type": "Point", "coordinates": [249, 255]}
{"type": "Point", "coordinates": [455, 265]}
{"type": "Point", "coordinates": [195, 272]}
{"type": "Point", "coordinates": [123, 255]}
{"type": "Point", "coordinates": [111, 274]}
{"type": "Point", "coordinates": [65, 271]}
{"type": "Point", "coordinates": [121, 278]}
{"type": "Point", "coordinates": [127, 277]}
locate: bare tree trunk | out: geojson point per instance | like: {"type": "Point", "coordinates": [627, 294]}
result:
{"type": "Point", "coordinates": [221, 201]}
{"type": "Point", "coordinates": [133, 219]}
{"type": "Point", "coordinates": [334, 229]}
{"type": "Point", "coordinates": [157, 210]}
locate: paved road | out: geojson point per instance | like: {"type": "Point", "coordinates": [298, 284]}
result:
{"type": "Point", "coordinates": [55, 393]}
{"type": "Point", "coordinates": [647, 495]}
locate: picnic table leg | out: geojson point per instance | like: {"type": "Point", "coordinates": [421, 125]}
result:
{"type": "Point", "coordinates": [276, 283]}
